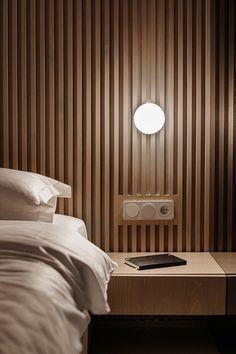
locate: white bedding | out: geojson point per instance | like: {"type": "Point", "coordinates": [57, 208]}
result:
{"type": "Point", "coordinates": [71, 223]}
{"type": "Point", "coordinates": [50, 278]}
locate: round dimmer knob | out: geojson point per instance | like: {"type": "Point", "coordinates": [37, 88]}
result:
{"type": "Point", "coordinates": [132, 210]}
{"type": "Point", "coordinates": [148, 210]}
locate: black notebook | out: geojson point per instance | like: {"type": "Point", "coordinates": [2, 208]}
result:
{"type": "Point", "coordinates": [155, 261]}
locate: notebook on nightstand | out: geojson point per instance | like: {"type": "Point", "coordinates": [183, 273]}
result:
{"type": "Point", "coordinates": [155, 261]}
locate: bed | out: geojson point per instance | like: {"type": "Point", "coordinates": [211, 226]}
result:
{"type": "Point", "coordinates": [51, 278]}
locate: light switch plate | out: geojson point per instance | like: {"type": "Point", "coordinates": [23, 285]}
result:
{"type": "Point", "coordinates": [148, 209]}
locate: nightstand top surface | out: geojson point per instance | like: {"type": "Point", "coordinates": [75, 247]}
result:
{"type": "Point", "coordinates": [226, 260]}
{"type": "Point", "coordinates": [198, 263]}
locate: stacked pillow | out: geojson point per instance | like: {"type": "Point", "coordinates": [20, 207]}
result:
{"type": "Point", "coordinates": [70, 223]}
{"type": "Point", "coordinates": [29, 196]}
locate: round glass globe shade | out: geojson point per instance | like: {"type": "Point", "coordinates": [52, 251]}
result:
{"type": "Point", "coordinates": [149, 118]}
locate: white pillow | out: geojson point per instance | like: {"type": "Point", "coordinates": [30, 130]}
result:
{"type": "Point", "coordinates": [71, 224]}
{"type": "Point", "coordinates": [63, 189]}
{"type": "Point", "coordinates": [29, 196]}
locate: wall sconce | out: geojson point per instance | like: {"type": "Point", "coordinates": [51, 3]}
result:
{"type": "Point", "coordinates": [149, 118]}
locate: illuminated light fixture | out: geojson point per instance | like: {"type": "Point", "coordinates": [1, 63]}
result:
{"type": "Point", "coordinates": [149, 118]}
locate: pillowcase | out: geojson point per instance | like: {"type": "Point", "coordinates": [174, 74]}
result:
{"type": "Point", "coordinates": [70, 223]}
{"type": "Point", "coordinates": [63, 189]}
{"type": "Point", "coordinates": [29, 196]}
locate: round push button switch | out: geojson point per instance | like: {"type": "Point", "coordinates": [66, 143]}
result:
{"type": "Point", "coordinates": [148, 211]}
{"type": "Point", "coordinates": [132, 210]}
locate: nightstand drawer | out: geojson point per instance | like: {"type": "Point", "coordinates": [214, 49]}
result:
{"type": "Point", "coordinates": [167, 295]}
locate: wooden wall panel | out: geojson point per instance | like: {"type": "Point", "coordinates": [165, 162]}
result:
{"type": "Point", "coordinates": [72, 73]}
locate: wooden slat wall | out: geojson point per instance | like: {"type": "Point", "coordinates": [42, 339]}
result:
{"type": "Point", "coordinates": [72, 73]}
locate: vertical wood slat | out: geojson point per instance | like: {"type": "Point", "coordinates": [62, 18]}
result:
{"type": "Point", "coordinates": [161, 237]}
{"type": "Point", "coordinates": [116, 113]}
{"type": "Point", "coordinates": [41, 85]}
{"type": "Point", "coordinates": [51, 91]}
{"type": "Point", "coordinates": [5, 82]}
{"type": "Point", "coordinates": [87, 112]}
{"type": "Point", "coordinates": [160, 97]}
{"type": "Point", "coordinates": [199, 131]}
{"type": "Point", "coordinates": [144, 83]}
{"type": "Point", "coordinates": [106, 180]}
{"type": "Point", "coordinates": [125, 124]}
{"type": "Point", "coordinates": [23, 86]}
{"type": "Point", "coordinates": [213, 128]}
{"type": "Point", "coordinates": [170, 111]}
{"type": "Point", "coordinates": [152, 48]}
{"type": "Point", "coordinates": [97, 135]}
{"type": "Point", "coordinates": [134, 238]}
{"type": "Point", "coordinates": [180, 125]}
{"type": "Point", "coordinates": [59, 85]}
{"type": "Point", "coordinates": [68, 101]}
{"type": "Point", "coordinates": [125, 92]}
{"type": "Point", "coordinates": [161, 64]}
{"type": "Point", "coordinates": [221, 131]}
{"type": "Point", "coordinates": [208, 88]}
{"type": "Point", "coordinates": [13, 85]}
{"type": "Point", "coordinates": [152, 69]}
{"type": "Point", "coordinates": [144, 68]}
{"type": "Point", "coordinates": [189, 128]}
{"type": "Point", "coordinates": [32, 85]}
{"type": "Point", "coordinates": [135, 86]}
{"type": "Point", "coordinates": [231, 114]}
{"type": "Point", "coordinates": [78, 93]}
{"type": "Point", "coordinates": [73, 73]}
{"type": "Point", "coordinates": [170, 97]}
{"type": "Point", "coordinates": [143, 237]}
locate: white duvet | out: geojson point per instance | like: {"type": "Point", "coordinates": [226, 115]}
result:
{"type": "Point", "coordinates": [50, 278]}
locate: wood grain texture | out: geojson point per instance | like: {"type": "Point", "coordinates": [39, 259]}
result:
{"type": "Point", "coordinates": [167, 295]}
{"type": "Point", "coordinates": [73, 72]}
{"type": "Point", "coordinates": [227, 261]}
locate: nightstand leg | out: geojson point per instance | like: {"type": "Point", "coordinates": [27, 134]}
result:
{"type": "Point", "coordinates": [85, 342]}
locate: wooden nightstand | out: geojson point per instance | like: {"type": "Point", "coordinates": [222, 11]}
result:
{"type": "Point", "coordinates": [227, 261]}
{"type": "Point", "coordinates": [198, 288]}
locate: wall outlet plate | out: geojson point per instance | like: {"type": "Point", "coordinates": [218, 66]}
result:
{"type": "Point", "coordinates": [162, 209]}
